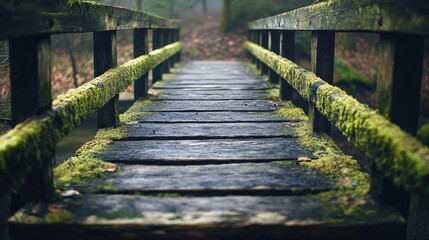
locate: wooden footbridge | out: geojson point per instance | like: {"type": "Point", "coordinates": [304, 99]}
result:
{"type": "Point", "coordinates": [215, 150]}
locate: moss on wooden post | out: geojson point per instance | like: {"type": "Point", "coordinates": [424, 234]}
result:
{"type": "Point", "coordinates": [105, 58]}
{"type": "Point", "coordinates": [274, 46]}
{"type": "Point", "coordinates": [322, 64]}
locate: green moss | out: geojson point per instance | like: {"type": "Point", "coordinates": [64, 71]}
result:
{"type": "Point", "coordinates": [135, 112]}
{"type": "Point", "coordinates": [61, 216]}
{"type": "Point", "coordinates": [291, 112]}
{"type": "Point", "coordinates": [402, 158]}
{"type": "Point", "coordinates": [273, 94]}
{"type": "Point", "coordinates": [423, 134]}
{"type": "Point", "coordinates": [124, 213]}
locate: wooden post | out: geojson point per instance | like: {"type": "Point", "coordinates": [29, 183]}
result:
{"type": "Point", "coordinates": [258, 41]}
{"type": "Point", "coordinates": [253, 39]}
{"type": "Point", "coordinates": [105, 58]}
{"type": "Point", "coordinates": [322, 64]}
{"type": "Point", "coordinates": [141, 85]}
{"type": "Point", "coordinates": [287, 50]}
{"type": "Point", "coordinates": [170, 40]}
{"type": "Point", "coordinates": [264, 44]}
{"type": "Point", "coordinates": [30, 76]}
{"type": "Point", "coordinates": [398, 99]}
{"type": "Point", "coordinates": [157, 43]}
{"type": "Point", "coordinates": [274, 46]}
{"type": "Point", "coordinates": [179, 54]}
{"type": "Point", "coordinates": [165, 42]}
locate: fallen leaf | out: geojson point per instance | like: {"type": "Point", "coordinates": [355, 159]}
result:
{"type": "Point", "coordinates": [302, 159]}
{"type": "Point", "coordinates": [70, 193]}
{"type": "Point", "coordinates": [54, 208]}
{"type": "Point", "coordinates": [109, 168]}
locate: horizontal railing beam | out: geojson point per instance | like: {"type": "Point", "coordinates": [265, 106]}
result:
{"type": "Point", "coordinates": [401, 157]}
{"type": "Point", "coordinates": [404, 16]}
{"type": "Point", "coordinates": [20, 148]}
{"type": "Point", "coordinates": [74, 17]}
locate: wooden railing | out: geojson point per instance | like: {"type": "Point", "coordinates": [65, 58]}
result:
{"type": "Point", "coordinates": [400, 164]}
{"type": "Point", "coordinates": [27, 151]}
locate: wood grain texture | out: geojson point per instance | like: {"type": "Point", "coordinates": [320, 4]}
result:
{"type": "Point", "coordinates": [204, 151]}
{"type": "Point", "coordinates": [239, 217]}
{"type": "Point", "coordinates": [224, 179]}
{"type": "Point", "coordinates": [143, 131]}
{"type": "Point", "coordinates": [34, 18]}
{"type": "Point", "coordinates": [350, 15]}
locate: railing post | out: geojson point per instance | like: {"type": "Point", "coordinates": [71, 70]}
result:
{"type": "Point", "coordinates": [179, 54]}
{"type": "Point", "coordinates": [258, 41]}
{"type": "Point", "coordinates": [254, 40]}
{"type": "Point", "coordinates": [170, 40]}
{"type": "Point", "coordinates": [264, 44]}
{"type": "Point", "coordinates": [30, 75]}
{"type": "Point", "coordinates": [157, 43]}
{"type": "Point", "coordinates": [398, 98]}
{"type": "Point", "coordinates": [141, 85]}
{"type": "Point", "coordinates": [322, 64]}
{"type": "Point", "coordinates": [165, 42]}
{"type": "Point", "coordinates": [287, 50]}
{"type": "Point", "coordinates": [105, 58]}
{"type": "Point", "coordinates": [274, 46]}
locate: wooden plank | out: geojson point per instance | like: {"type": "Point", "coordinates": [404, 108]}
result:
{"type": "Point", "coordinates": [232, 217]}
{"type": "Point", "coordinates": [204, 151]}
{"type": "Point", "coordinates": [49, 17]}
{"type": "Point", "coordinates": [202, 81]}
{"type": "Point", "coordinates": [210, 106]}
{"type": "Point", "coordinates": [202, 180]}
{"type": "Point", "coordinates": [180, 96]}
{"type": "Point", "coordinates": [212, 92]}
{"type": "Point", "coordinates": [105, 58]}
{"type": "Point", "coordinates": [349, 15]}
{"type": "Point", "coordinates": [208, 130]}
{"type": "Point", "coordinates": [211, 117]}
{"type": "Point", "coordinates": [215, 87]}
{"type": "Point", "coordinates": [212, 75]}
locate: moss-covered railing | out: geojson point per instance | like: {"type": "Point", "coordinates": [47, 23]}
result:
{"type": "Point", "coordinates": [400, 163]}
{"type": "Point", "coordinates": [27, 151]}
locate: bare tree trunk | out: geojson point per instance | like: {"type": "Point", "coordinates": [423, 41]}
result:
{"type": "Point", "coordinates": [72, 59]}
{"type": "Point", "coordinates": [204, 2]}
{"type": "Point", "coordinates": [225, 23]}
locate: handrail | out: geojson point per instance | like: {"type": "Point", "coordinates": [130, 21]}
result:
{"type": "Point", "coordinates": [27, 151]}
{"type": "Point", "coordinates": [67, 112]}
{"type": "Point", "coordinates": [404, 16]}
{"type": "Point", "coordinates": [73, 17]}
{"type": "Point", "coordinates": [407, 162]}
{"type": "Point", "coordinates": [400, 164]}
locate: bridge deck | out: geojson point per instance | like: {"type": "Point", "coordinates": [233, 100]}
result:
{"type": "Point", "coordinates": [208, 158]}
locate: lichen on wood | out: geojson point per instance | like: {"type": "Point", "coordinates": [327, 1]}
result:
{"type": "Point", "coordinates": [402, 157]}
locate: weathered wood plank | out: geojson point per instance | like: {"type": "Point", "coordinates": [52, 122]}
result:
{"type": "Point", "coordinates": [212, 76]}
{"type": "Point", "coordinates": [233, 217]}
{"type": "Point", "coordinates": [210, 106]}
{"type": "Point", "coordinates": [350, 15]}
{"type": "Point", "coordinates": [215, 87]}
{"type": "Point", "coordinates": [204, 81]}
{"type": "Point", "coordinates": [208, 130]}
{"type": "Point", "coordinates": [204, 151]}
{"type": "Point", "coordinates": [180, 96]}
{"type": "Point", "coordinates": [212, 117]}
{"type": "Point", "coordinates": [32, 18]}
{"type": "Point", "coordinates": [212, 92]}
{"type": "Point", "coordinates": [244, 178]}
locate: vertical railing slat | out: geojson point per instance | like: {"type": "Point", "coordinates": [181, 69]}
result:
{"type": "Point", "coordinates": [141, 85]}
{"type": "Point", "coordinates": [157, 39]}
{"type": "Point", "coordinates": [287, 50]}
{"type": "Point", "coordinates": [30, 76]}
{"type": "Point", "coordinates": [322, 64]}
{"type": "Point", "coordinates": [274, 46]}
{"type": "Point", "coordinates": [105, 58]}
{"type": "Point", "coordinates": [264, 44]}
